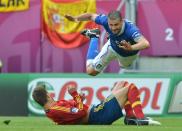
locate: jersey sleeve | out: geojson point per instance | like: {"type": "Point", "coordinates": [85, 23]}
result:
{"type": "Point", "coordinates": [67, 110]}
{"type": "Point", "coordinates": [78, 100]}
{"type": "Point", "coordinates": [61, 114]}
{"type": "Point", "coordinates": [79, 103]}
{"type": "Point", "coordinates": [135, 33]}
{"type": "Point", "coordinates": [101, 19]}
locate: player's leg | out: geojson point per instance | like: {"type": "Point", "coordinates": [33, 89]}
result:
{"type": "Point", "coordinates": [128, 93]}
{"type": "Point", "coordinates": [108, 110]}
{"type": "Point", "coordinates": [96, 62]}
{"type": "Point", "coordinates": [127, 107]}
{"type": "Point", "coordinates": [93, 49]}
{"type": "Point", "coordinates": [134, 99]}
{"type": "Point", "coordinates": [120, 93]}
{"type": "Point", "coordinates": [96, 65]}
{"type": "Point", "coordinates": [127, 63]}
{"type": "Point", "coordinates": [92, 52]}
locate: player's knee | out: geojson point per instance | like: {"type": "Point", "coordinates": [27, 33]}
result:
{"type": "Point", "coordinates": [121, 96]}
{"type": "Point", "coordinates": [121, 84]}
{"type": "Point", "coordinates": [118, 85]}
{"type": "Point", "coordinates": [125, 91]}
{"type": "Point", "coordinates": [91, 71]}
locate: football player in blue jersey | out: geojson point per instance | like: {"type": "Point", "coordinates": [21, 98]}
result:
{"type": "Point", "coordinates": [124, 43]}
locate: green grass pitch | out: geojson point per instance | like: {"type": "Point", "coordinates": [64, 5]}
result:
{"type": "Point", "coordinates": [44, 124]}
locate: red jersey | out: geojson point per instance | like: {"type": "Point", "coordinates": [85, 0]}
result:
{"type": "Point", "coordinates": [68, 112]}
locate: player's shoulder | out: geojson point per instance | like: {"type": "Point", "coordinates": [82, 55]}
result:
{"type": "Point", "coordinates": [129, 24]}
{"type": "Point", "coordinates": [102, 16]}
{"type": "Point", "coordinates": [101, 19]}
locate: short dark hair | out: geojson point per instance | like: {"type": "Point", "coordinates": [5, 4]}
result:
{"type": "Point", "coordinates": [40, 94]}
{"type": "Point", "coordinates": [114, 14]}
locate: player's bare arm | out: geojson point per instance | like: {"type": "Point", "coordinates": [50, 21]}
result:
{"type": "Point", "coordinates": [82, 17]}
{"type": "Point", "coordinates": [140, 45]}
{"type": "Point", "coordinates": [72, 90]}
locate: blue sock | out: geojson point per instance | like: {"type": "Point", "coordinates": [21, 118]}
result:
{"type": "Point", "coordinates": [93, 49]}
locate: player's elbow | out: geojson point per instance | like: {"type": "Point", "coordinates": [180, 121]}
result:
{"type": "Point", "coordinates": [147, 44]}
{"type": "Point", "coordinates": [93, 17]}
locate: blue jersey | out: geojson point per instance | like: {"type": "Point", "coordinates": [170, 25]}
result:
{"type": "Point", "coordinates": [129, 33]}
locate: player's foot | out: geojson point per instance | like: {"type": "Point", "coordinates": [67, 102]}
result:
{"type": "Point", "coordinates": [130, 120]}
{"type": "Point", "coordinates": [144, 121]}
{"type": "Point", "coordinates": [91, 33]}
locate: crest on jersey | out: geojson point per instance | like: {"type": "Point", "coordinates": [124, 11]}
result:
{"type": "Point", "coordinates": [74, 110]}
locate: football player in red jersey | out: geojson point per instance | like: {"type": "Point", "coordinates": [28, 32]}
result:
{"type": "Point", "coordinates": [124, 95]}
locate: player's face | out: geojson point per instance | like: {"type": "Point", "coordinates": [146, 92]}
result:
{"type": "Point", "coordinates": [49, 97]}
{"type": "Point", "coordinates": [115, 25]}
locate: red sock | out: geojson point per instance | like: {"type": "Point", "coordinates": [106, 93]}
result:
{"type": "Point", "coordinates": [128, 109]}
{"type": "Point", "coordinates": [134, 99]}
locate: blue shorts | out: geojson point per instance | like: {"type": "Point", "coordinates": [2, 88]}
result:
{"type": "Point", "coordinates": [106, 112]}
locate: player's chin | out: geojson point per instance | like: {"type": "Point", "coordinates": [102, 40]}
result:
{"type": "Point", "coordinates": [115, 32]}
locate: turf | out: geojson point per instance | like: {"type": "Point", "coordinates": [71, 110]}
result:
{"type": "Point", "coordinates": [44, 124]}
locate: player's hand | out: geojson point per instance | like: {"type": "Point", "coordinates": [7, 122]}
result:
{"type": "Point", "coordinates": [71, 18]}
{"type": "Point", "coordinates": [82, 95]}
{"type": "Point", "coordinates": [72, 89]}
{"type": "Point", "coordinates": [125, 45]}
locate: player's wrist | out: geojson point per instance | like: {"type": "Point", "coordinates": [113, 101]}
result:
{"type": "Point", "coordinates": [132, 48]}
{"type": "Point", "coordinates": [74, 93]}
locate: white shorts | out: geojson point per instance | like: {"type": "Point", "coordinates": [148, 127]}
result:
{"type": "Point", "coordinates": [106, 55]}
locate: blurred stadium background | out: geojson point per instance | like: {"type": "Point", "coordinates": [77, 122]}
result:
{"type": "Point", "coordinates": [37, 45]}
